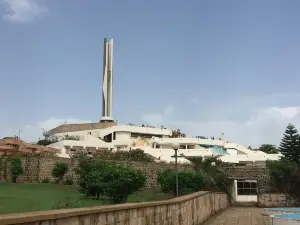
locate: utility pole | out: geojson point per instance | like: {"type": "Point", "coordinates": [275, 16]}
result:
{"type": "Point", "coordinates": [176, 167]}
{"type": "Point", "coordinates": [175, 148]}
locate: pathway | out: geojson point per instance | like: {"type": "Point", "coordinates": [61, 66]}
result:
{"type": "Point", "coordinates": [239, 216]}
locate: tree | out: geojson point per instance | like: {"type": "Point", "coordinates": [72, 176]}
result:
{"type": "Point", "coordinates": [117, 182]}
{"type": "Point", "coordinates": [285, 177]}
{"type": "Point", "coordinates": [121, 182]}
{"type": "Point", "coordinates": [16, 169]}
{"type": "Point", "coordinates": [188, 182]}
{"type": "Point", "coordinates": [268, 148]}
{"type": "Point", "coordinates": [59, 171]}
{"type": "Point", "coordinates": [44, 142]}
{"type": "Point", "coordinates": [214, 176]}
{"type": "Point", "coordinates": [48, 139]}
{"type": "Point", "coordinates": [249, 147]}
{"type": "Point", "coordinates": [289, 145]}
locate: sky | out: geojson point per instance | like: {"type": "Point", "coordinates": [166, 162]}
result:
{"type": "Point", "coordinates": [205, 67]}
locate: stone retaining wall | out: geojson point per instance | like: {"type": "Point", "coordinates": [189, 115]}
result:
{"type": "Point", "coordinates": [38, 168]}
{"type": "Point", "coordinates": [191, 209]}
{"type": "Point", "coordinates": [275, 200]}
{"type": "Point", "coordinates": [259, 173]}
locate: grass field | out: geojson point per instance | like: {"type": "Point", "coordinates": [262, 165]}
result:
{"type": "Point", "coordinates": [16, 198]}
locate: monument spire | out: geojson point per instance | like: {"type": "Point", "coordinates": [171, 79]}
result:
{"type": "Point", "coordinates": [107, 83]}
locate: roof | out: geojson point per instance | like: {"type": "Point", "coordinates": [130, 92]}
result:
{"type": "Point", "coordinates": [17, 145]}
{"type": "Point", "coordinates": [80, 127]}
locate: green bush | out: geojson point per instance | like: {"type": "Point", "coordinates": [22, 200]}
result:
{"type": "Point", "coordinates": [59, 171]}
{"type": "Point", "coordinates": [89, 173]}
{"type": "Point", "coordinates": [122, 181]}
{"type": "Point", "coordinates": [16, 169]}
{"type": "Point", "coordinates": [133, 155]}
{"type": "Point", "coordinates": [68, 180]}
{"type": "Point", "coordinates": [97, 178]}
{"type": "Point", "coordinates": [188, 182]}
{"type": "Point", "coordinates": [46, 180]}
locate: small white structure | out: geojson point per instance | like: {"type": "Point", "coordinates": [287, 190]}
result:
{"type": "Point", "coordinates": [86, 143]}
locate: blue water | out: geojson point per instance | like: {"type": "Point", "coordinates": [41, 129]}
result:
{"type": "Point", "coordinates": [286, 209]}
{"type": "Point", "coordinates": [219, 151]}
{"type": "Point", "coordinates": [288, 216]}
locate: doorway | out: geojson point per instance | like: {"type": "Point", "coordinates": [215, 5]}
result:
{"type": "Point", "coordinates": [246, 190]}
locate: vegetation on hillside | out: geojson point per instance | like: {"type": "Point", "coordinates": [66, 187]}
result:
{"type": "Point", "coordinates": [131, 155]}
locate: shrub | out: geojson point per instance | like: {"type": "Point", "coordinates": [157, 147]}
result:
{"type": "Point", "coordinates": [281, 173]}
{"type": "Point", "coordinates": [16, 169]}
{"type": "Point", "coordinates": [121, 182]}
{"type": "Point", "coordinates": [98, 178]}
{"type": "Point", "coordinates": [59, 171]}
{"type": "Point", "coordinates": [46, 180]}
{"type": "Point", "coordinates": [134, 155]}
{"type": "Point", "coordinates": [89, 172]}
{"type": "Point", "coordinates": [68, 180]}
{"type": "Point", "coordinates": [65, 203]}
{"type": "Point", "coordinates": [188, 182]}
{"type": "Point", "coordinates": [285, 177]}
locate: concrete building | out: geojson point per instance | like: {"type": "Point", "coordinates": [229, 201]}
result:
{"type": "Point", "coordinates": [157, 142]}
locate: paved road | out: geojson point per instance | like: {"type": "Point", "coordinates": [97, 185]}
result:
{"type": "Point", "coordinates": [239, 216]}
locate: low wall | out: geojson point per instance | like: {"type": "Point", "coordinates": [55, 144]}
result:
{"type": "Point", "coordinates": [38, 168]}
{"type": "Point", "coordinates": [191, 209]}
{"type": "Point", "coordinates": [275, 200]}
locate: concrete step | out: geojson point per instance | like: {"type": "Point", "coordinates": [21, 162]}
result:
{"type": "Point", "coordinates": [245, 204]}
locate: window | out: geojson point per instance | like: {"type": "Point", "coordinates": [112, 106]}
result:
{"type": "Point", "coordinates": [246, 187]}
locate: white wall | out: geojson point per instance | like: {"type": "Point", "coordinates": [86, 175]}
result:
{"type": "Point", "coordinates": [120, 128]}
{"type": "Point", "coordinates": [232, 151]}
{"type": "Point", "coordinates": [123, 136]}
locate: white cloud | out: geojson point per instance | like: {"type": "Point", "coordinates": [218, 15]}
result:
{"type": "Point", "coordinates": [23, 11]}
{"type": "Point", "coordinates": [33, 132]}
{"type": "Point", "coordinates": [263, 126]}
{"type": "Point", "coordinates": [156, 119]}
{"type": "Point", "coordinates": [242, 121]}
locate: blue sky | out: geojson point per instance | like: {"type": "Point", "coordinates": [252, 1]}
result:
{"type": "Point", "coordinates": [205, 67]}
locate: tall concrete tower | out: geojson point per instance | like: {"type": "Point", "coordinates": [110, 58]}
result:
{"type": "Point", "coordinates": [107, 84]}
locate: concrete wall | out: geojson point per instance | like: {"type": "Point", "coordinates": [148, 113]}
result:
{"type": "Point", "coordinates": [275, 200]}
{"type": "Point", "coordinates": [188, 210]}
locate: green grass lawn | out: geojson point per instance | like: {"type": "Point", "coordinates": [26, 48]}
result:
{"type": "Point", "coordinates": [16, 198]}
